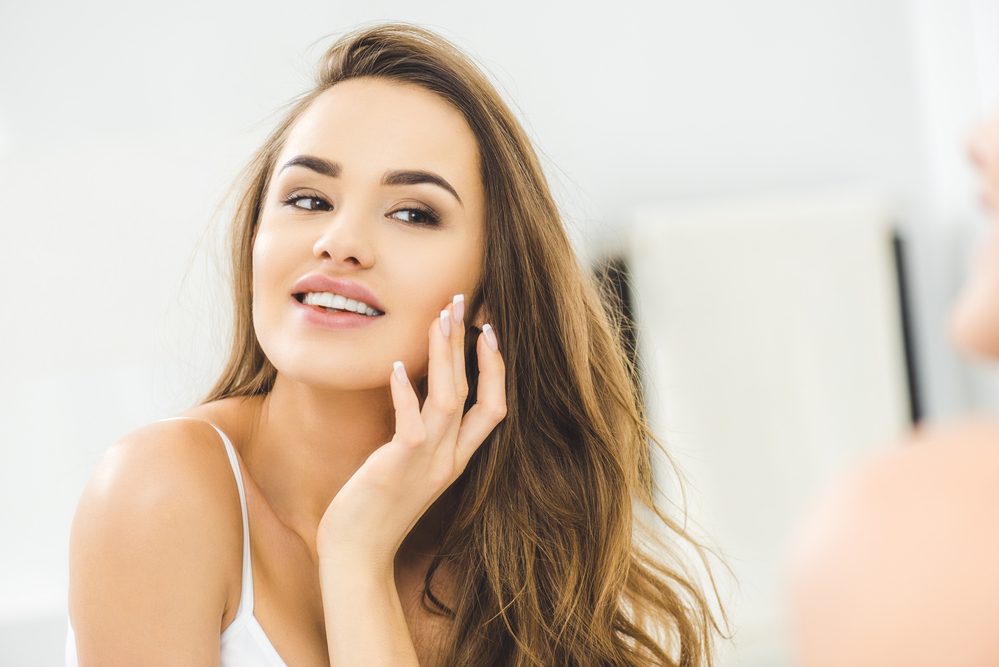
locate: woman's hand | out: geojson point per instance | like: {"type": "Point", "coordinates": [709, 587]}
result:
{"type": "Point", "coordinates": [372, 514]}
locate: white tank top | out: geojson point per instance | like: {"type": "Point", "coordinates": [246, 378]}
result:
{"type": "Point", "coordinates": [243, 643]}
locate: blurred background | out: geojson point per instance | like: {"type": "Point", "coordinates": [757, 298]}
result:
{"type": "Point", "coordinates": [782, 184]}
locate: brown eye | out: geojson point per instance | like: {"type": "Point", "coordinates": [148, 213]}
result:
{"type": "Point", "coordinates": [311, 203]}
{"type": "Point", "coordinates": [418, 216]}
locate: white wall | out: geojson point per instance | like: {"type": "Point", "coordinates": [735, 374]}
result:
{"type": "Point", "coordinates": [121, 125]}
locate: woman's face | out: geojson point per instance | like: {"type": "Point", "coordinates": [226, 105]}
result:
{"type": "Point", "coordinates": [357, 223]}
{"type": "Point", "coordinates": [975, 321]}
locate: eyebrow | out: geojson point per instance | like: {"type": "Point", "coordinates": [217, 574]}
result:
{"type": "Point", "coordinates": [391, 177]}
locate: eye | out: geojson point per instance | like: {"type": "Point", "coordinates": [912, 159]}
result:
{"type": "Point", "coordinates": [421, 216]}
{"type": "Point", "coordinates": [311, 199]}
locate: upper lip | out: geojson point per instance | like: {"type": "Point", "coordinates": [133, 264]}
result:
{"type": "Point", "coordinates": [317, 282]}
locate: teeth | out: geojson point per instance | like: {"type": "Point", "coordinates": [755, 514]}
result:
{"type": "Point", "coordinates": [340, 302]}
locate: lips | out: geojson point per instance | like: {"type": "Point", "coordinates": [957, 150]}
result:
{"type": "Point", "coordinates": [317, 282]}
{"type": "Point", "coordinates": [337, 320]}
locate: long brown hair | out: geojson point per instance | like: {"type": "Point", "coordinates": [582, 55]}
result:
{"type": "Point", "coordinates": [547, 539]}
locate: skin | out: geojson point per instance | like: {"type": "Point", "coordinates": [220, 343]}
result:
{"type": "Point", "coordinates": [342, 457]}
{"type": "Point", "coordinates": [895, 566]}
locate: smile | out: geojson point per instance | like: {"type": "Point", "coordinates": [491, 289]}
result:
{"type": "Point", "coordinates": [330, 318]}
{"type": "Point", "coordinates": [332, 301]}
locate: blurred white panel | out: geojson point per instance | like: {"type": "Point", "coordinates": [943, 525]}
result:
{"type": "Point", "coordinates": [770, 332]}
{"type": "Point", "coordinates": [985, 22]}
{"type": "Point", "coordinates": [948, 86]}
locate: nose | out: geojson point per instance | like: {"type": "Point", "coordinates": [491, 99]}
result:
{"type": "Point", "coordinates": [975, 146]}
{"type": "Point", "coordinates": [983, 143]}
{"type": "Point", "coordinates": [345, 240]}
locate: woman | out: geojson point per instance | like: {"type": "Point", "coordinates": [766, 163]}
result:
{"type": "Point", "coordinates": [492, 526]}
{"type": "Point", "coordinates": [897, 564]}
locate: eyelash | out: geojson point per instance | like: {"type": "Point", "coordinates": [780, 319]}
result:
{"type": "Point", "coordinates": [432, 218]}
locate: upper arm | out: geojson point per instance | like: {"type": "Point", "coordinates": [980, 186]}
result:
{"type": "Point", "coordinates": [896, 565]}
{"type": "Point", "coordinates": [147, 554]}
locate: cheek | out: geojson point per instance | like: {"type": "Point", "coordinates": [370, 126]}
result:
{"type": "Point", "coordinates": [271, 276]}
{"type": "Point", "coordinates": [425, 283]}
{"type": "Point", "coordinates": [428, 281]}
{"type": "Point", "coordinates": [274, 263]}
{"type": "Point", "coordinates": [423, 299]}
{"type": "Point", "coordinates": [259, 264]}
{"type": "Point", "coordinates": [259, 272]}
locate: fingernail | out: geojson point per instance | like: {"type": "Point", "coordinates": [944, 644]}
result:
{"type": "Point", "coordinates": [399, 370]}
{"type": "Point", "coordinates": [490, 335]}
{"type": "Point", "coordinates": [459, 308]}
{"type": "Point", "coordinates": [445, 323]}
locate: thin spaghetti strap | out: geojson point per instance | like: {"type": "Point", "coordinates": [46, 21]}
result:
{"type": "Point", "coordinates": [246, 595]}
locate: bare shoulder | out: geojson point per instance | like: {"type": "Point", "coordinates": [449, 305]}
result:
{"type": "Point", "coordinates": [943, 465]}
{"type": "Point", "coordinates": [149, 545]}
{"type": "Point", "coordinates": [188, 448]}
{"type": "Point", "coordinates": [163, 467]}
{"type": "Point", "coordinates": [963, 440]}
{"type": "Point", "coordinates": [940, 469]}
{"type": "Point", "coordinates": [904, 546]}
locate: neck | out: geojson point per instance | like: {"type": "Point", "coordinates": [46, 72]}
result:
{"type": "Point", "coordinates": [306, 442]}
{"type": "Point", "coordinates": [309, 441]}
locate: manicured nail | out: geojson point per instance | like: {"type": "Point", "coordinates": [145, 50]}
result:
{"type": "Point", "coordinates": [399, 370]}
{"type": "Point", "coordinates": [459, 308]}
{"type": "Point", "coordinates": [445, 323]}
{"type": "Point", "coordinates": [490, 335]}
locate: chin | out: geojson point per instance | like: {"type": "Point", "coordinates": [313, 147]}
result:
{"type": "Point", "coordinates": [974, 323]}
{"type": "Point", "coordinates": [332, 371]}
{"type": "Point", "coordinates": [336, 380]}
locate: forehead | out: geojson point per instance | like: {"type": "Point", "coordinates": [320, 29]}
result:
{"type": "Point", "coordinates": [370, 125]}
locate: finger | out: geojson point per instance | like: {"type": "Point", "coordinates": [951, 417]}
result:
{"type": "Point", "coordinates": [457, 309]}
{"type": "Point", "coordinates": [490, 406]}
{"type": "Point", "coordinates": [409, 428]}
{"type": "Point", "coordinates": [439, 407]}
{"type": "Point", "coordinates": [457, 340]}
